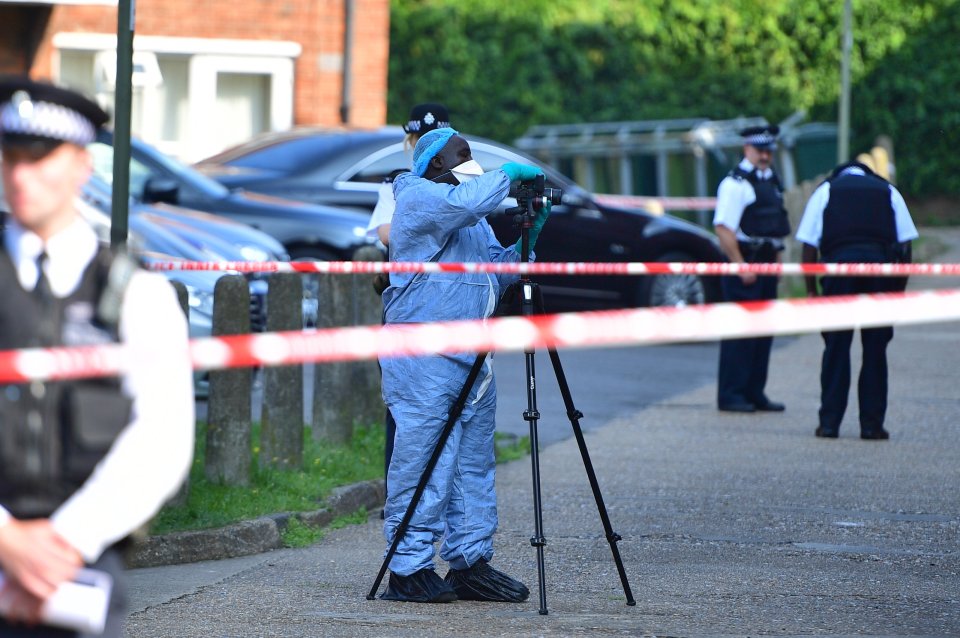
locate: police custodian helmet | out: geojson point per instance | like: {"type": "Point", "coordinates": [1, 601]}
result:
{"type": "Point", "coordinates": [33, 112]}
{"type": "Point", "coordinates": [762, 137]}
{"type": "Point", "coordinates": [426, 117]}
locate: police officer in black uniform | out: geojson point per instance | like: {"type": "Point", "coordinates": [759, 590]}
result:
{"type": "Point", "coordinates": [83, 463]}
{"type": "Point", "coordinates": [750, 222]}
{"type": "Point", "coordinates": [855, 216]}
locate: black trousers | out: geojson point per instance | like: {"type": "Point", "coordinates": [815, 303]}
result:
{"type": "Point", "coordinates": [391, 427]}
{"type": "Point", "coordinates": [742, 374]}
{"type": "Point", "coordinates": [835, 370]}
{"type": "Point", "coordinates": [110, 562]}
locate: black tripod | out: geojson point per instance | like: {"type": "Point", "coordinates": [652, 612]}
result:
{"type": "Point", "coordinates": [531, 302]}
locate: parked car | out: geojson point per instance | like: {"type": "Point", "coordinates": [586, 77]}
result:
{"type": "Point", "coordinates": [196, 226]}
{"type": "Point", "coordinates": [176, 232]}
{"type": "Point", "coordinates": [306, 231]}
{"type": "Point", "coordinates": [345, 168]}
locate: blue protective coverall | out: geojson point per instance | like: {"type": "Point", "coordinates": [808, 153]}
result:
{"type": "Point", "coordinates": [440, 222]}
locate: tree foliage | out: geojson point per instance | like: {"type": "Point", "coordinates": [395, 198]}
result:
{"type": "Point", "coordinates": [503, 66]}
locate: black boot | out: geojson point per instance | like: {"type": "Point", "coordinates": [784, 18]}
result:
{"type": "Point", "coordinates": [422, 586]}
{"type": "Point", "coordinates": [482, 582]}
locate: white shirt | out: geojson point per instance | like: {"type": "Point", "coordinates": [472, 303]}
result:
{"type": "Point", "coordinates": [152, 455]}
{"type": "Point", "coordinates": [383, 211]}
{"type": "Point", "coordinates": [810, 230]}
{"type": "Point", "coordinates": [733, 197]}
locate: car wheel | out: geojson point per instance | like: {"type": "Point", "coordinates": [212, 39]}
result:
{"type": "Point", "coordinates": [676, 291]}
{"type": "Point", "coordinates": [311, 283]}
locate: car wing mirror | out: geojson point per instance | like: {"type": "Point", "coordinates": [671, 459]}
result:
{"type": "Point", "coordinates": [160, 190]}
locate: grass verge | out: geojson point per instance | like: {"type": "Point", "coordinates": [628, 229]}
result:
{"type": "Point", "coordinates": [273, 491]}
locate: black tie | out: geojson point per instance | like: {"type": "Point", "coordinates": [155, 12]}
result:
{"type": "Point", "coordinates": [42, 289]}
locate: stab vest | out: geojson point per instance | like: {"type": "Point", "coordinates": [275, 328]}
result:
{"type": "Point", "coordinates": [53, 434]}
{"type": "Point", "coordinates": [766, 216]}
{"type": "Point", "coordinates": [859, 212]}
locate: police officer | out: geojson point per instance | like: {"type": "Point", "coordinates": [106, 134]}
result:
{"type": "Point", "coordinates": [82, 463]}
{"type": "Point", "coordinates": [750, 222]}
{"type": "Point", "coordinates": [423, 118]}
{"type": "Point", "coordinates": [855, 216]}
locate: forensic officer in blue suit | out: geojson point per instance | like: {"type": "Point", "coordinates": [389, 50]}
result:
{"type": "Point", "coordinates": [855, 216]}
{"type": "Point", "coordinates": [440, 216]}
{"type": "Point", "coordinates": [750, 222]}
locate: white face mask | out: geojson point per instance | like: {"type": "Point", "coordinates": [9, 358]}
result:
{"type": "Point", "coordinates": [467, 171]}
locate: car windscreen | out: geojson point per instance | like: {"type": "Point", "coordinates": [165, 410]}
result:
{"type": "Point", "coordinates": [296, 154]}
{"type": "Point", "coordinates": [145, 162]}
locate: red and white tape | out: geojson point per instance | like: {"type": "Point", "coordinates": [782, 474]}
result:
{"type": "Point", "coordinates": [566, 268]}
{"type": "Point", "coordinates": [590, 329]}
{"type": "Point", "coordinates": [666, 203]}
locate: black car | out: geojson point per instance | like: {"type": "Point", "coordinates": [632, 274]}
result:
{"type": "Point", "coordinates": [345, 168]}
{"type": "Point", "coordinates": [306, 231]}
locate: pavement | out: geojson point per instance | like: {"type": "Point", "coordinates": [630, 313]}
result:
{"type": "Point", "coordinates": [732, 525]}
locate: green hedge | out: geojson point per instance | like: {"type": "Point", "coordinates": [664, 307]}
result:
{"type": "Point", "coordinates": [502, 66]}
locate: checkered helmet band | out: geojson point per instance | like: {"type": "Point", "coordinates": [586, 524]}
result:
{"type": "Point", "coordinates": [45, 119]}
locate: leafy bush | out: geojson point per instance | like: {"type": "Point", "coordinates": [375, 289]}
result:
{"type": "Point", "coordinates": [502, 67]}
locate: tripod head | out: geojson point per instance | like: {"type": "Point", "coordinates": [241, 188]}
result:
{"type": "Point", "coordinates": [532, 196]}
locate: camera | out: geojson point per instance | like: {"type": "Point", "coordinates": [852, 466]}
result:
{"type": "Point", "coordinates": [532, 196]}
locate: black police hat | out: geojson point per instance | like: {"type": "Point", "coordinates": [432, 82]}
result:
{"type": "Point", "coordinates": [761, 136]}
{"type": "Point", "coordinates": [426, 117]}
{"type": "Point", "coordinates": [39, 112]}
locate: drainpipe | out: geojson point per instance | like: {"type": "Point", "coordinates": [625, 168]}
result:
{"type": "Point", "coordinates": [347, 61]}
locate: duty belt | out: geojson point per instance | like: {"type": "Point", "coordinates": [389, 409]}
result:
{"type": "Point", "coordinates": [760, 249]}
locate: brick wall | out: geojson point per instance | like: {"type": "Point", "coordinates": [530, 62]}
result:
{"type": "Point", "coordinates": [21, 32]}
{"type": "Point", "coordinates": [12, 23]}
{"type": "Point", "coordinates": [317, 25]}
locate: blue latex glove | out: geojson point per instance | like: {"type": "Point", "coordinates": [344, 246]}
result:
{"type": "Point", "coordinates": [535, 229]}
{"type": "Point", "coordinates": [520, 172]}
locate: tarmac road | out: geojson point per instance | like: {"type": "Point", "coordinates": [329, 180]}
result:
{"type": "Point", "coordinates": [604, 383]}
{"type": "Point", "coordinates": [732, 525]}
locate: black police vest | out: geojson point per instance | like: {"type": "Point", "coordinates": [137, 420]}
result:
{"type": "Point", "coordinates": [53, 434]}
{"type": "Point", "coordinates": [766, 216]}
{"type": "Point", "coordinates": [859, 212]}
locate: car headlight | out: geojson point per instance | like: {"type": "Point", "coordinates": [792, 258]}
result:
{"type": "Point", "coordinates": [254, 253]}
{"type": "Point", "coordinates": [200, 300]}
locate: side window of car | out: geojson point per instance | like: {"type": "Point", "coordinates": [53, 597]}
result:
{"type": "Point", "coordinates": [139, 174]}
{"type": "Point", "coordinates": [381, 167]}
{"type": "Point", "coordinates": [103, 168]}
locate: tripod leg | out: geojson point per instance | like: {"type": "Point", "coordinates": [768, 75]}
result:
{"type": "Point", "coordinates": [532, 416]}
{"type": "Point", "coordinates": [575, 415]}
{"type": "Point", "coordinates": [455, 411]}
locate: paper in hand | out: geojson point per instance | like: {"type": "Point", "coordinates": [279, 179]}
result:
{"type": "Point", "coordinates": [79, 605]}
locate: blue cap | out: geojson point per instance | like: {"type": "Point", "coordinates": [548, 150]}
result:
{"type": "Point", "coordinates": [428, 146]}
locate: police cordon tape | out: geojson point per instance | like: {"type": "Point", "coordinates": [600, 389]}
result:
{"type": "Point", "coordinates": [565, 268]}
{"type": "Point", "coordinates": [588, 329]}
{"type": "Point", "coordinates": [666, 203]}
